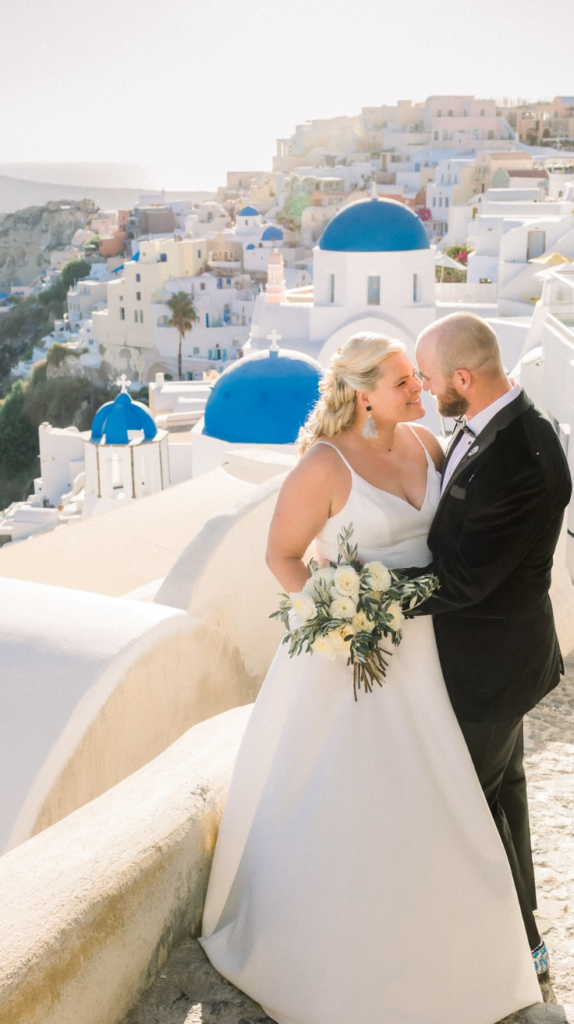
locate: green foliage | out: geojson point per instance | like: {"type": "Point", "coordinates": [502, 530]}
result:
{"type": "Point", "coordinates": [18, 438]}
{"type": "Point", "coordinates": [30, 319]}
{"type": "Point", "coordinates": [75, 270]}
{"type": "Point", "coordinates": [61, 401]}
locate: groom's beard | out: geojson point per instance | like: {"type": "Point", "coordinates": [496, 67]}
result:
{"type": "Point", "coordinates": [450, 403]}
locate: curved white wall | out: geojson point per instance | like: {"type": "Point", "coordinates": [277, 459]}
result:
{"type": "Point", "coordinates": [222, 578]}
{"type": "Point", "coordinates": [91, 908]}
{"type": "Point", "coordinates": [64, 653]}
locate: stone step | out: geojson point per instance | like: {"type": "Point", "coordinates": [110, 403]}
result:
{"type": "Point", "coordinates": [189, 990]}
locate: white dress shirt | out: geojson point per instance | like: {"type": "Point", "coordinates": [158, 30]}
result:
{"type": "Point", "coordinates": [477, 425]}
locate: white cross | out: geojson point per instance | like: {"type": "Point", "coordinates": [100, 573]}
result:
{"type": "Point", "coordinates": [274, 338]}
{"type": "Point", "coordinates": [123, 382]}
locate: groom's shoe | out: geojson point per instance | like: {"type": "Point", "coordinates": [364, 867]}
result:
{"type": "Point", "coordinates": [541, 962]}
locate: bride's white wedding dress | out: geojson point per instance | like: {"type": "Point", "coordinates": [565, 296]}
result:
{"type": "Point", "coordinates": [358, 876]}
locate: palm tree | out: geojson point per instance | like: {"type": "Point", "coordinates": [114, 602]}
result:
{"type": "Point", "coordinates": [183, 316]}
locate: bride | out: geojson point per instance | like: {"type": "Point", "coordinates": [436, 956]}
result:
{"type": "Point", "coordinates": [358, 876]}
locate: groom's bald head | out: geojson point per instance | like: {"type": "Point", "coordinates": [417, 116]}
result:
{"type": "Point", "coordinates": [461, 341]}
{"type": "Point", "coordinates": [460, 362]}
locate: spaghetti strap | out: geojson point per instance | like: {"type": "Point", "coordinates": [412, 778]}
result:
{"type": "Point", "coordinates": [422, 444]}
{"type": "Point", "coordinates": [334, 447]}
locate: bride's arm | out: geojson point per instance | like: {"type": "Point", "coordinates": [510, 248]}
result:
{"type": "Point", "coordinates": [302, 509]}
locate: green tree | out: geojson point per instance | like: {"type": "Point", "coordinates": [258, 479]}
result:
{"type": "Point", "coordinates": [18, 437]}
{"type": "Point", "coordinates": [75, 270]}
{"type": "Point", "coordinates": [183, 316]}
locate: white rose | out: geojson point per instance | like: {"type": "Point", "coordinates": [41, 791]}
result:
{"type": "Point", "coordinates": [346, 581]}
{"type": "Point", "coordinates": [303, 606]}
{"type": "Point", "coordinates": [338, 638]}
{"type": "Point", "coordinates": [321, 576]}
{"type": "Point", "coordinates": [379, 575]}
{"type": "Point", "coordinates": [362, 624]}
{"type": "Point", "coordinates": [343, 608]}
{"type": "Point", "coordinates": [396, 615]}
{"type": "Point", "coordinates": [324, 647]}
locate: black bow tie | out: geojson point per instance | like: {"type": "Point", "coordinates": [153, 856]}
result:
{"type": "Point", "coordinates": [462, 425]}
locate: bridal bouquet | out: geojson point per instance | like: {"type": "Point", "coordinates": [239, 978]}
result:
{"type": "Point", "coordinates": [348, 607]}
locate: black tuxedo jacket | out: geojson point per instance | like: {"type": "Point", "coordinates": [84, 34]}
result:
{"type": "Point", "coordinates": [492, 541]}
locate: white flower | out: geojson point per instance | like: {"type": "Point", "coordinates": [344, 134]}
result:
{"type": "Point", "coordinates": [321, 576]}
{"type": "Point", "coordinates": [303, 606]}
{"type": "Point", "coordinates": [343, 608]}
{"type": "Point", "coordinates": [397, 618]}
{"type": "Point", "coordinates": [338, 638]}
{"type": "Point", "coordinates": [324, 646]}
{"type": "Point", "coordinates": [362, 624]}
{"type": "Point", "coordinates": [379, 575]}
{"type": "Point", "coordinates": [346, 581]}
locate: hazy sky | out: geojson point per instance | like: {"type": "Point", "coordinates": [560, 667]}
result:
{"type": "Point", "coordinates": [193, 88]}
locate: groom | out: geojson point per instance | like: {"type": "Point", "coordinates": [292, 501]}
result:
{"type": "Point", "coordinates": [505, 487]}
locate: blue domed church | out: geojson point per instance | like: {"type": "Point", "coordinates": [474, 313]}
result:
{"type": "Point", "coordinates": [373, 270]}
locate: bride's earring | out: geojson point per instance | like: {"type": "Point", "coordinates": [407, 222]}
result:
{"type": "Point", "coordinates": [369, 430]}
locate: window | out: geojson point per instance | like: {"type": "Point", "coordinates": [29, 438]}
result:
{"type": "Point", "coordinates": [440, 200]}
{"type": "Point", "coordinates": [439, 113]}
{"type": "Point", "coordinates": [199, 254]}
{"type": "Point", "coordinates": [451, 113]}
{"type": "Point", "coordinates": [482, 112]}
{"type": "Point", "coordinates": [374, 291]}
{"type": "Point", "coordinates": [436, 136]}
{"type": "Point", "coordinates": [490, 134]}
{"type": "Point", "coordinates": [141, 316]}
{"type": "Point", "coordinates": [122, 313]}
{"type": "Point", "coordinates": [536, 244]}
{"type": "Point", "coordinates": [434, 200]}
{"type": "Point", "coordinates": [196, 351]}
{"type": "Point", "coordinates": [139, 296]}
{"type": "Point", "coordinates": [136, 315]}
{"type": "Point", "coordinates": [331, 287]}
{"type": "Point", "coordinates": [446, 200]}
{"type": "Point", "coordinates": [163, 257]}
{"type": "Point", "coordinates": [415, 287]}
{"type": "Point", "coordinates": [202, 286]}
{"type": "Point", "coordinates": [138, 277]}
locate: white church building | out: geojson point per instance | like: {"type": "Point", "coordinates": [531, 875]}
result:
{"type": "Point", "coordinates": [373, 270]}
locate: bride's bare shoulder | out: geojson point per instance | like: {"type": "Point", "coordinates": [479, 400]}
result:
{"type": "Point", "coordinates": [431, 443]}
{"type": "Point", "coordinates": [320, 462]}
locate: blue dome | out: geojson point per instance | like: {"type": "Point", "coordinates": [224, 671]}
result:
{"type": "Point", "coordinates": [264, 398]}
{"type": "Point", "coordinates": [272, 234]}
{"type": "Point", "coordinates": [374, 225]}
{"type": "Point", "coordinates": [248, 211]}
{"type": "Point", "coordinates": [250, 246]}
{"type": "Point", "coordinates": [114, 419]}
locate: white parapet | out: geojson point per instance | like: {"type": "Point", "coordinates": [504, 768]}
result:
{"type": "Point", "coordinates": [91, 908]}
{"type": "Point", "coordinates": [91, 688]}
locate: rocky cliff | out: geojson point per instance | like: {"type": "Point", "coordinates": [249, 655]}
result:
{"type": "Point", "coordinates": [28, 237]}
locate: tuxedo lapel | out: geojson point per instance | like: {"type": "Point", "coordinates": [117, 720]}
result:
{"type": "Point", "coordinates": [484, 440]}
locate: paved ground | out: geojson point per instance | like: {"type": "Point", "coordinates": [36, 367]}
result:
{"type": "Point", "coordinates": [189, 990]}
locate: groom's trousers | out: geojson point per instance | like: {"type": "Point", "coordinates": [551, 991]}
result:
{"type": "Point", "coordinates": [497, 750]}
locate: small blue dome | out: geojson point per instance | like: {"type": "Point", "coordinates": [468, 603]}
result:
{"type": "Point", "coordinates": [248, 211]}
{"type": "Point", "coordinates": [114, 419]}
{"type": "Point", "coordinates": [374, 225]}
{"type": "Point", "coordinates": [272, 234]}
{"type": "Point", "coordinates": [250, 246]}
{"type": "Point", "coordinates": [264, 398]}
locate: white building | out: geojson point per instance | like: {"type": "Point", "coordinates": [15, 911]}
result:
{"type": "Point", "coordinates": [373, 269]}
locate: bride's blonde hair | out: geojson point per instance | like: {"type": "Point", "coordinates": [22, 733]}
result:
{"type": "Point", "coordinates": [357, 366]}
